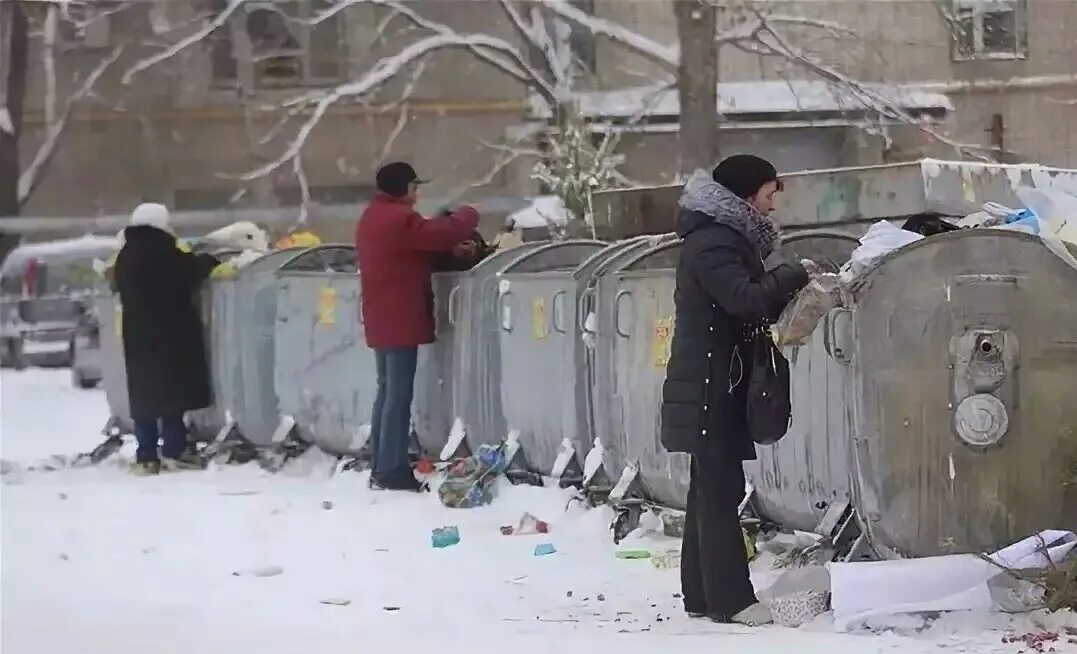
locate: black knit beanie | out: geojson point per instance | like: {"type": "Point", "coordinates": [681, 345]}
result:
{"type": "Point", "coordinates": [744, 174]}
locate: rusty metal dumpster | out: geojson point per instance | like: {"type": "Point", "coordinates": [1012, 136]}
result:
{"type": "Point", "coordinates": [472, 307]}
{"type": "Point", "coordinates": [242, 326]}
{"type": "Point", "coordinates": [962, 353]}
{"type": "Point", "coordinates": [543, 376]}
{"type": "Point", "coordinates": [325, 374]}
{"type": "Point", "coordinates": [796, 479]}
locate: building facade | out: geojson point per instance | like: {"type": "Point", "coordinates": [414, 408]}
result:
{"type": "Point", "coordinates": [185, 110]}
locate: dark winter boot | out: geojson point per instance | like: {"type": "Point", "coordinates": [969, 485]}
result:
{"type": "Point", "coordinates": [146, 468]}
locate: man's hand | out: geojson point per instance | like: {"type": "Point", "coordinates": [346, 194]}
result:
{"type": "Point", "coordinates": [465, 249]}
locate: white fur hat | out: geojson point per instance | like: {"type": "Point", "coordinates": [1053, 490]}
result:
{"type": "Point", "coordinates": [151, 215]}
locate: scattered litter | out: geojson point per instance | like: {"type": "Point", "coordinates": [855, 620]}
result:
{"type": "Point", "coordinates": [64, 557]}
{"type": "Point", "coordinates": [568, 594]}
{"type": "Point", "coordinates": [264, 571]}
{"type": "Point", "coordinates": [327, 505]}
{"type": "Point", "coordinates": [673, 524]}
{"type": "Point", "coordinates": [445, 537]}
{"type": "Point", "coordinates": [62, 496]}
{"type": "Point", "coordinates": [506, 530]}
{"type": "Point", "coordinates": [390, 609]}
{"type": "Point", "coordinates": [529, 524]}
{"type": "Point", "coordinates": [1037, 642]}
{"type": "Point", "coordinates": [470, 482]}
{"type": "Point", "coordinates": [633, 554]}
{"type": "Point", "coordinates": [335, 601]}
{"type": "Point", "coordinates": [544, 549]}
{"type": "Point", "coordinates": [798, 595]}
{"type": "Point", "coordinates": [601, 597]}
{"type": "Point", "coordinates": [667, 559]}
{"type": "Point", "coordinates": [240, 492]}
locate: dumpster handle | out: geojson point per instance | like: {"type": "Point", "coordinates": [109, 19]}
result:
{"type": "Point", "coordinates": [452, 305]}
{"type": "Point", "coordinates": [586, 298]}
{"type": "Point", "coordinates": [559, 312]}
{"type": "Point", "coordinates": [830, 336]}
{"type": "Point", "coordinates": [617, 312]}
{"type": "Point", "coordinates": [505, 319]}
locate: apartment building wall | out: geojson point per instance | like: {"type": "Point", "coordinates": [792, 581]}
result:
{"type": "Point", "coordinates": [176, 131]}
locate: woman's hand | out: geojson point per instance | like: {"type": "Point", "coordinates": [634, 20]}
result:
{"type": "Point", "coordinates": [813, 269]}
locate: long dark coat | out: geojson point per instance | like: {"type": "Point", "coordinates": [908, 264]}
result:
{"type": "Point", "coordinates": [163, 340]}
{"type": "Point", "coordinates": [723, 294]}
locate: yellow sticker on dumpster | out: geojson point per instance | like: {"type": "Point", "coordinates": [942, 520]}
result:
{"type": "Point", "coordinates": [663, 340]}
{"type": "Point", "coordinates": [327, 306]}
{"type": "Point", "coordinates": [118, 318]}
{"type": "Point", "coordinates": [539, 324]}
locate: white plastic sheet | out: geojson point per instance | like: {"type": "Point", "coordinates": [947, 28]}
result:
{"type": "Point", "coordinates": [860, 591]}
{"type": "Point", "coordinates": [881, 239]}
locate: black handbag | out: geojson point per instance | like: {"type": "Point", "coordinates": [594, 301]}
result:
{"type": "Point", "coordinates": [769, 407]}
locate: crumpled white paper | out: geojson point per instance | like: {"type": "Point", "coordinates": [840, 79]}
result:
{"type": "Point", "coordinates": [860, 591]}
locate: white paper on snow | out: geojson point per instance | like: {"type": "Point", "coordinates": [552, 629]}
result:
{"type": "Point", "coordinates": [860, 591]}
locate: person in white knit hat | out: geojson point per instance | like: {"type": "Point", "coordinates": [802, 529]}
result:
{"type": "Point", "coordinates": [163, 343]}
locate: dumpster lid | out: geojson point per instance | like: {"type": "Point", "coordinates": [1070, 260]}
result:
{"type": "Point", "coordinates": [560, 255]}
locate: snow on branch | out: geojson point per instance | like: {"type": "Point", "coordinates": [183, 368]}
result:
{"type": "Point", "coordinates": [384, 70]}
{"type": "Point", "coordinates": [771, 41]}
{"type": "Point", "coordinates": [31, 177]}
{"type": "Point", "coordinates": [208, 28]}
{"type": "Point", "coordinates": [666, 55]}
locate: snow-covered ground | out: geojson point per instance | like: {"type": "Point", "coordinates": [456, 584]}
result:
{"type": "Point", "coordinates": [96, 560]}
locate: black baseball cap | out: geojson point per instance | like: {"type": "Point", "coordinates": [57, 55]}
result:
{"type": "Point", "coordinates": [394, 178]}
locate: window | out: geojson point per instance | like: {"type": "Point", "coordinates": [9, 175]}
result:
{"type": "Point", "coordinates": [989, 29]}
{"type": "Point", "coordinates": [287, 48]}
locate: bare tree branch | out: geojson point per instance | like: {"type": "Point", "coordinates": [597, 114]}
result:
{"type": "Point", "coordinates": [208, 28]}
{"type": "Point", "coordinates": [304, 188]}
{"type": "Point", "coordinates": [31, 177]}
{"type": "Point", "coordinates": [665, 55]}
{"type": "Point", "coordinates": [381, 72]}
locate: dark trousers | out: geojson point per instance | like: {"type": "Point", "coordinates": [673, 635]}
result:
{"type": "Point", "coordinates": [714, 563]}
{"type": "Point", "coordinates": [169, 431]}
{"type": "Point", "coordinates": [390, 424]}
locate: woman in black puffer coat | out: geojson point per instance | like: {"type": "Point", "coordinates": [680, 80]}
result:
{"type": "Point", "coordinates": [724, 295]}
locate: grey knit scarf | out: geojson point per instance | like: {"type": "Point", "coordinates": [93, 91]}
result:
{"type": "Point", "coordinates": [701, 193]}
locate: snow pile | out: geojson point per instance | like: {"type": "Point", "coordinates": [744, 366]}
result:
{"type": "Point", "coordinates": [307, 560]}
{"type": "Point", "coordinates": [543, 211]}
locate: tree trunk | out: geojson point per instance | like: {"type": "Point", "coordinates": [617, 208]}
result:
{"type": "Point", "coordinates": [13, 67]}
{"type": "Point", "coordinates": [697, 84]}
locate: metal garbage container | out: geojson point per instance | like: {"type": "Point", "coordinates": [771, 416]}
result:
{"type": "Point", "coordinates": [962, 351]}
{"type": "Point", "coordinates": [476, 357]}
{"type": "Point", "coordinates": [325, 374]}
{"type": "Point", "coordinates": [242, 323]}
{"type": "Point", "coordinates": [542, 362]}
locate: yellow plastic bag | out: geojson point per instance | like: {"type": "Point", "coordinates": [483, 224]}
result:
{"type": "Point", "coordinates": [223, 271]}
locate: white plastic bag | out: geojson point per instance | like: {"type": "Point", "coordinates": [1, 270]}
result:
{"type": "Point", "coordinates": [881, 239]}
{"type": "Point", "coordinates": [1056, 220]}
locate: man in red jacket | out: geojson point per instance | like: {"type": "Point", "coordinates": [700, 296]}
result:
{"type": "Point", "coordinates": [395, 247]}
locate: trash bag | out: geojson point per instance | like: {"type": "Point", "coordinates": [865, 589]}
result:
{"type": "Point", "coordinates": [470, 482]}
{"type": "Point", "coordinates": [881, 239]}
{"type": "Point", "coordinates": [800, 317]}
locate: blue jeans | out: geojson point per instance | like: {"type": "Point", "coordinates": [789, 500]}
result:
{"type": "Point", "coordinates": [390, 424]}
{"type": "Point", "coordinates": [148, 433]}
